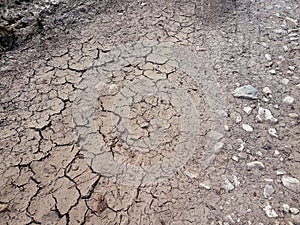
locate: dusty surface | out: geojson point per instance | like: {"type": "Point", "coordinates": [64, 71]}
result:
{"type": "Point", "coordinates": [122, 112]}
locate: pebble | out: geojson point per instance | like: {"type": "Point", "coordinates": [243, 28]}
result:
{"type": "Point", "coordinates": [228, 185]}
{"type": "Point", "coordinates": [247, 127]}
{"type": "Point", "coordinates": [294, 211]}
{"type": "Point", "coordinates": [293, 115]}
{"type": "Point", "coordinates": [268, 191]}
{"type": "Point", "coordinates": [272, 132]}
{"type": "Point", "coordinates": [280, 172]}
{"type": "Point", "coordinates": [205, 184]}
{"type": "Point", "coordinates": [285, 81]}
{"type": "Point", "coordinates": [267, 90]}
{"type": "Point", "coordinates": [3, 207]}
{"type": "Point", "coordinates": [296, 219]}
{"type": "Point", "coordinates": [291, 183]}
{"type": "Point", "coordinates": [286, 208]}
{"type": "Point", "coordinates": [236, 181]}
{"type": "Point", "coordinates": [255, 164]}
{"type": "Point", "coordinates": [238, 118]}
{"type": "Point", "coordinates": [268, 57]}
{"type": "Point", "coordinates": [265, 114]}
{"type": "Point", "coordinates": [247, 109]}
{"type": "Point", "coordinates": [270, 212]}
{"type": "Point", "coordinates": [273, 72]}
{"type": "Point", "coordinates": [288, 100]}
{"type": "Point", "coordinates": [242, 145]}
{"type": "Point", "coordinates": [235, 158]}
{"type": "Point", "coordinates": [247, 92]}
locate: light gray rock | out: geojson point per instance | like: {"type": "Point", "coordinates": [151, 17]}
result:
{"type": "Point", "coordinates": [255, 164]}
{"type": "Point", "coordinates": [286, 208]}
{"type": "Point", "coordinates": [265, 115]}
{"type": "Point", "coordinates": [291, 183]}
{"type": "Point", "coordinates": [270, 212]}
{"type": "Point", "coordinates": [294, 211]}
{"type": "Point", "coordinates": [247, 92]}
{"type": "Point", "coordinates": [247, 127]}
{"type": "Point", "coordinates": [296, 219]}
{"type": "Point", "coordinates": [268, 190]}
{"type": "Point", "coordinates": [288, 100]}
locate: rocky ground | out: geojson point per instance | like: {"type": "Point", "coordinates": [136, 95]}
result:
{"type": "Point", "coordinates": [150, 112]}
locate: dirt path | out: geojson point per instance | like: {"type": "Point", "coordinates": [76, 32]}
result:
{"type": "Point", "coordinates": [154, 112]}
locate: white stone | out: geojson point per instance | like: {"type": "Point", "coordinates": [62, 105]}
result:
{"type": "Point", "coordinates": [191, 174]}
{"type": "Point", "coordinates": [291, 183]}
{"type": "Point", "coordinates": [265, 114]}
{"type": "Point", "coordinates": [228, 185]}
{"type": "Point", "coordinates": [273, 72]}
{"type": "Point", "coordinates": [268, 191]}
{"type": "Point", "coordinates": [247, 91]}
{"type": "Point", "coordinates": [238, 118]}
{"type": "Point", "coordinates": [272, 132]}
{"type": "Point", "coordinates": [285, 81]}
{"type": "Point", "coordinates": [280, 172]}
{"type": "Point", "coordinates": [236, 181]}
{"type": "Point", "coordinates": [247, 127]}
{"type": "Point", "coordinates": [255, 164]}
{"type": "Point", "coordinates": [205, 184]}
{"type": "Point", "coordinates": [242, 145]}
{"type": "Point", "coordinates": [288, 100]}
{"type": "Point", "coordinates": [294, 211]}
{"type": "Point", "coordinates": [286, 208]}
{"type": "Point", "coordinates": [270, 212]}
{"type": "Point", "coordinates": [235, 158]}
{"type": "Point", "coordinates": [268, 57]}
{"type": "Point", "coordinates": [247, 109]}
{"type": "Point", "coordinates": [267, 90]}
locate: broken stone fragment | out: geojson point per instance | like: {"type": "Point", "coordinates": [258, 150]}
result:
{"type": "Point", "coordinates": [291, 183]}
{"type": "Point", "coordinates": [247, 127]}
{"type": "Point", "coordinates": [265, 115]}
{"type": "Point", "coordinates": [255, 164]}
{"type": "Point", "coordinates": [247, 92]}
{"type": "Point", "coordinates": [3, 207]}
{"type": "Point", "coordinates": [288, 100]}
{"type": "Point", "coordinates": [270, 212]}
{"type": "Point", "coordinates": [268, 190]}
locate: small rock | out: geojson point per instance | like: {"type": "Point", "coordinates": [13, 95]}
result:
{"type": "Point", "coordinates": [3, 207]}
{"type": "Point", "coordinates": [288, 100]}
{"type": "Point", "coordinates": [247, 109]}
{"type": "Point", "coordinates": [292, 68]}
{"type": "Point", "coordinates": [235, 158]}
{"type": "Point", "coordinates": [276, 152]}
{"type": "Point", "coordinates": [286, 208]}
{"type": "Point", "coordinates": [265, 114]}
{"type": "Point", "coordinates": [267, 90]}
{"type": "Point", "coordinates": [247, 91]}
{"type": "Point", "coordinates": [238, 118]}
{"type": "Point", "coordinates": [268, 191]}
{"type": "Point", "coordinates": [293, 115]}
{"type": "Point", "coordinates": [294, 211]}
{"type": "Point", "coordinates": [226, 127]}
{"type": "Point", "coordinates": [268, 57]}
{"type": "Point", "coordinates": [285, 81]}
{"type": "Point", "coordinates": [296, 219]}
{"type": "Point", "coordinates": [247, 127]}
{"type": "Point", "coordinates": [280, 172]}
{"type": "Point", "coordinates": [205, 184]}
{"type": "Point", "coordinates": [228, 185]}
{"type": "Point", "coordinates": [255, 164]}
{"type": "Point", "coordinates": [291, 183]}
{"type": "Point", "coordinates": [273, 72]}
{"type": "Point", "coordinates": [191, 174]}
{"type": "Point", "coordinates": [270, 212]}
{"type": "Point", "coordinates": [236, 181]}
{"type": "Point", "coordinates": [242, 144]}
{"type": "Point", "coordinates": [272, 132]}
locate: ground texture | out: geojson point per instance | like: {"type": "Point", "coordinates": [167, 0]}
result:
{"type": "Point", "coordinates": [130, 112]}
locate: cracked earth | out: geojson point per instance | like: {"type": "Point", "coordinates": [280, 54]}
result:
{"type": "Point", "coordinates": [150, 112]}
